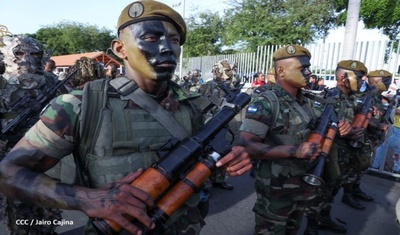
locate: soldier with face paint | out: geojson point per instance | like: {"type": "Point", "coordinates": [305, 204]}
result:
{"type": "Point", "coordinates": [115, 136]}
{"type": "Point", "coordinates": [350, 77]}
{"type": "Point", "coordinates": [224, 71]}
{"type": "Point", "coordinates": [23, 60]}
{"type": "Point", "coordinates": [275, 131]}
{"type": "Point", "coordinates": [388, 102]}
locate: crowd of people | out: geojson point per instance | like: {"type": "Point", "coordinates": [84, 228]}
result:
{"type": "Point", "coordinates": [99, 146]}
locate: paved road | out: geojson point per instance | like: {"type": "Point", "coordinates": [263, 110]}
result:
{"type": "Point", "coordinates": [230, 212]}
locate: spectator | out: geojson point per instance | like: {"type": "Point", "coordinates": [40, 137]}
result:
{"type": "Point", "coordinates": [259, 80]}
{"type": "Point", "coordinates": [321, 85]}
{"type": "Point", "coordinates": [312, 84]}
{"type": "Point", "coordinates": [381, 151]}
{"type": "Point", "coordinates": [50, 66]}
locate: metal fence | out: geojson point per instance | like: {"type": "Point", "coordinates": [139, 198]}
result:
{"type": "Point", "coordinates": [325, 56]}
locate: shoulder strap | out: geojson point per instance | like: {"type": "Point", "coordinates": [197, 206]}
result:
{"type": "Point", "coordinates": [128, 89]}
{"type": "Point", "coordinates": [274, 101]}
{"type": "Point", "coordinates": [94, 99]}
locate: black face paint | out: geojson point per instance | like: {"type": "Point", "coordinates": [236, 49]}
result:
{"type": "Point", "coordinates": [305, 71]}
{"type": "Point", "coordinates": [387, 81]}
{"type": "Point", "coordinates": [360, 82]}
{"type": "Point", "coordinates": [159, 45]}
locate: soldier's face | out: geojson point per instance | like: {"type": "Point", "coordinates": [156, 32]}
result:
{"type": "Point", "coordinates": [152, 48]}
{"type": "Point", "coordinates": [297, 71]}
{"type": "Point", "coordinates": [359, 82]}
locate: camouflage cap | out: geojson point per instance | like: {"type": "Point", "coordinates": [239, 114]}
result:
{"type": "Point", "coordinates": [291, 51]}
{"type": "Point", "coordinates": [379, 73]}
{"type": "Point", "coordinates": [353, 65]}
{"type": "Point", "coordinates": [151, 10]}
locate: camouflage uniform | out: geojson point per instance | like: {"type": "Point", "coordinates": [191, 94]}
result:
{"type": "Point", "coordinates": [223, 71]}
{"type": "Point", "coordinates": [281, 193]}
{"type": "Point", "coordinates": [69, 107]}
{"type": "Point", "coordinates": [336, 167]}
{"type": "Point", "coordinates": [374, 135]}
{"type": "Point", "coordinates": [343, 161]}
{"type": "Point", "coordinates": [23, 75]}
{"type": "Point", "coordinates": [192, 81]}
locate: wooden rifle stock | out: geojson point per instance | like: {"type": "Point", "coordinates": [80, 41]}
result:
{"type": "Point", "coordinates": [324, 134]}
{"type": "Point", "coordinates": [361, 120]}
{"type": "Point", "coordinates": [163, 175]}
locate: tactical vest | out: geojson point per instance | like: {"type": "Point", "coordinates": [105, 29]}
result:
{"type": "Point", "coordinates": [116, 140]}
{"type": "Point", "coordinates": [345, 109]}
{"type": "Point", "coordinates": [290, 125]}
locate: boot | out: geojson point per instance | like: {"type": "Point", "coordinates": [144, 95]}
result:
{"type": "Point", "coordinates": [312, 226]}
{"type": "Point", "coordinates": [349, 200]}
{"type": "Point", "coordinates": [357, 192]}
{"type": "Point", "coordinates": [326, 222]}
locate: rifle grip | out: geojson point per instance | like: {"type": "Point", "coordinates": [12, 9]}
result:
{"type": "Point", "coordinates": [152, 182]}
{"type": "Point", "coordinates": [359, 120]}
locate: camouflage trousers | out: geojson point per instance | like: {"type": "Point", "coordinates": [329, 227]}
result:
{"type": "Point", "coordinates": [15, 210]}
{"type": "Point", "coordinates": [280, 217]}
{"type": "Point", "coordinates": [354, 162]}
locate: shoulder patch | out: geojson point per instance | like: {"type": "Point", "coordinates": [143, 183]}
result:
{"type": "Point", "coordinates": [252, 109]}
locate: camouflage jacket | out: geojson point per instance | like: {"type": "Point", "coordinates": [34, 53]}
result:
{"type": "Point", "coordinates": [283, 120]}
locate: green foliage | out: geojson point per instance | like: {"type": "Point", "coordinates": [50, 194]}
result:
{"type": "Point", "coordinates": [383, 15]}
{"type": "Point", "coordinates": [267, 22]}
{"type": "Point", "coordinates": [204, 35]}
{"type": "Point", "coordinates": [72, 38]}
{"type": "Point", "coordinates": [376, 14]}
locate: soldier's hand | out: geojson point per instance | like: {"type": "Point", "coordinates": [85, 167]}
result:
{"type": "Point", "coordinates": [308, 150]}
{"type": "Point", "coordinates": [118, 199]}
{"type": "Point", "coordinates": [356, 133]}
{"type": "Point", "coordinates": [375, 111]}
{"type": "Point", "coordinates": [236, 162]}
{"type": "Point", "coordinates": [344, 128]}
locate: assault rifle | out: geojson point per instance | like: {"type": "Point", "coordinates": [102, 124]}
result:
{"type": "Point", "coordinates": [386, 119]}
{"type": "Point", "coordinates": [34, 105]}
{"type": "Point", "coordinates": [231, 93]}
{"type": "Point", "coordinates": [191, 161]}
{"type": "Point", "coordinates": [362, 117]}
{"type": "Point", "coordinates": [324, 133]}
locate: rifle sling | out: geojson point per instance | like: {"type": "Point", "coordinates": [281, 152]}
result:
{"type": "Point", "coordinates": [129, 89]}
{"type": "Point", "coordinates": [319, 99]}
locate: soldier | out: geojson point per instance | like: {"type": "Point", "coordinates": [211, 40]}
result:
{"type": "Point", "coordinates": [117, 136]}
{"type": "Point", "coordinates": [274, 131]}
{"type": "Point", "coordinates": [24, 60]}
{"type": "Point", "coordinates": [256, 92]}
{"type": "Point", "coordinates": [224, 71]}
{"type": "Point", "coordinates": [362, 147]}
{"type": "Point", "coordinates": [350, 79]}
{"type": "Point", "coordinates": [378, 81]}
{"type": "Point", "coordinates": [88, 70]}
{"type": "Point", "coordinates": [271, 76]}
{"type": "Point", "coordinates": [192, 80]}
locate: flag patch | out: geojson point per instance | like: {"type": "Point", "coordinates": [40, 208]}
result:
{"type": "Point", "coordinates": [252, 109]}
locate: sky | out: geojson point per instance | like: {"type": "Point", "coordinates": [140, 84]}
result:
{"type": "Point", "coordinates": [22, 16]}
